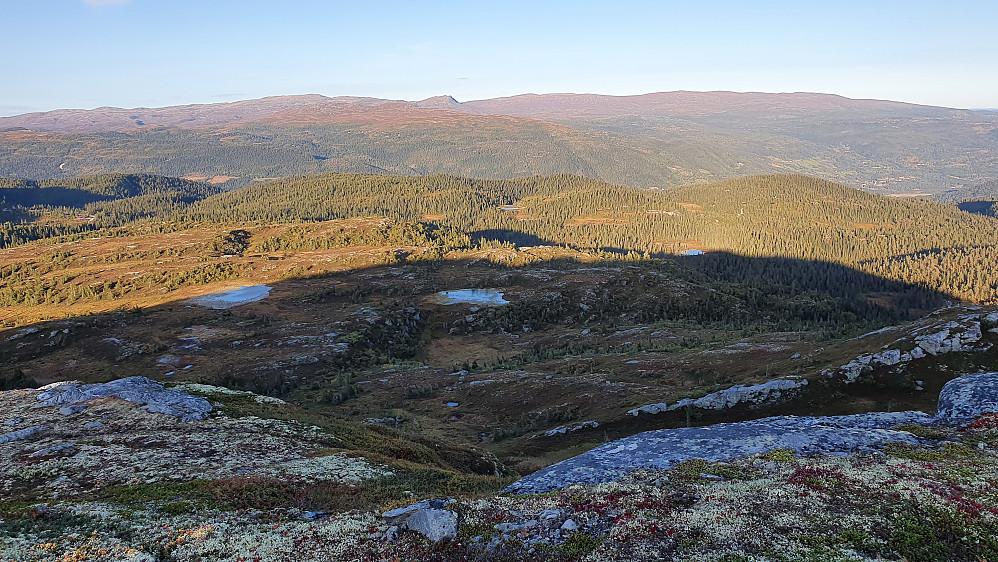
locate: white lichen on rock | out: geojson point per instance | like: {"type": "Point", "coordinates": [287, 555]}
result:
{"type": "Point", "coordinates": [969, 396]}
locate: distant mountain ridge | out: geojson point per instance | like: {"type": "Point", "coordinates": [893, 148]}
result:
{"type": "Point", "coordinates": [538, 106]}
{"type": "Point", "coordinates": [662, 139]}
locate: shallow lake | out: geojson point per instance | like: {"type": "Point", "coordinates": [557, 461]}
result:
{"type": "Point", "coordinates": [487, 297]}
{"type": "Point", "coordinates": [235, 297]}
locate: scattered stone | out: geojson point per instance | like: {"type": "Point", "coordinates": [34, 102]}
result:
{"type": "Point", "coordinates": [93, 425]}
{"type": "Point", "coordinates": [889, 357]}
{"type": "Point", "coordinates": [934, 344]}
{"type": "Point", "coordinates": [549, 514]}
{"type": "Point", "coordinates": [73, 409]}
{"type": "Point", "coordinates": [168, 360]}
{"type": "Point", "coordinates": [20, 434]}
{"type": "Point", "coordinates": [962, 398]}
{"type": "Point", "coordinates": [569, 525]}
{"type": "Point", "coordinates": [944, 338]}
{"type": "Point", "coordinates": [13, 421]}
{"type": "Point", "coordinates": [400, 514]}
{"type": "Point", "coordinates": [434, 524]}
{"type": "Point", "coordinates": [50, 450]}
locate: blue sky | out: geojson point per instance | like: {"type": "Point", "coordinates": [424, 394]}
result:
{"type": "Point", "coordinates": [129, 53]}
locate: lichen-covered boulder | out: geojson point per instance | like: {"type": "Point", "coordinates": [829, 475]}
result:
{"type": "Point", "coordinates": [428, 518]}
{"type": "Point", "coordinates": [969, 396]}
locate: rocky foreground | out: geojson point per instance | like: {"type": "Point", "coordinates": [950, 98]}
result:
{"type": "Point", "coordinates": [134, 471]}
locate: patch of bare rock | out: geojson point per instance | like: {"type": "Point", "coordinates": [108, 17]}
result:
{"type": "Point", "coordinates": [961, 399]}
{"type": "Point", "coordinates": [964, 334]}
{"type": "Point", "coordinates": [730, 397]}
{"type": "Point", "coordinates": [72, 396]}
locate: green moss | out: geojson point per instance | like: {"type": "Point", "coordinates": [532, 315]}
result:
{"type": "Point", "coordinates": [579, 544]}
{"type": "Point", "coordinates": [158, 491]}
{"type": "Point", "coordinates": [47, 523]}
{"type": "Point", "coordinates": [827, 547]}
{"type": "Point", "coordinates": [780, 455]}
{"type": "Point", "coordinates": [924, 431]}
{"type": "Point", "coordinates": [949, 451]}
{"type": "Point", "coordinates": [939, 534]}
{"type": "Point", "coordinates": [178, 507]}
{"type": "Point", "coordinates": [10, 510]}
{"type": "Point", "coordinates": [468, 532]}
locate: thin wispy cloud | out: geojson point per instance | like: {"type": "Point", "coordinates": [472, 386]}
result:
{"type": "Point", "coordinates": [104, 3]}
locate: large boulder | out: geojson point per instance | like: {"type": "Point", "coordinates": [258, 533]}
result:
{"type": "Point", "coordinates": [428, 518]}
{"type": "Point", "coordinates": [968, 396]}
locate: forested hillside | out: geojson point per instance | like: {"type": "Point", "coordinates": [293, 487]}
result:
{"type": "Point", "coordinates": [765, 216]}
{"type": "Point", "coordinates": [981, 199]}
{"type": "Point", "coordinates": [805, 228]}
{"type": "Point", "coordinates": [40, 209]}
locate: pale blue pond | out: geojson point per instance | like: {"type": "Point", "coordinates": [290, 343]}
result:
{"type": "Point", "coordinates": [486, 297]}
{"type": "Point", "coordinates": [235, 297]}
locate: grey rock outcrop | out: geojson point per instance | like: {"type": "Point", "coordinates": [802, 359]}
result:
{"type": "Point", "coordinates": [962, 334]}
{"type": "Point", "coordinates": [563, 429]}
{"type": "Point", "coordinates": [961, 399]}
{"type": "Point", "coordinates": [969, 396]}
{"type": "Point", "coordinates": [729, 397]}
{"type": "Point", "coordinates": [429, 518]}
{"type": "Point", "coordinates": [662, 449]}
{"type": "Point", "coordinates": [152, 395]}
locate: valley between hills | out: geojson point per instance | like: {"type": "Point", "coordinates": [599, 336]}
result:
{"type": "Point", "coordinates": [678, 326]}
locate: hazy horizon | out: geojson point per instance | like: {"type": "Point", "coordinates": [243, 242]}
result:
{"type": "Point", "coordinates": [137, 53]}
{"type": "Point", "coordinates": [333, 96]}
